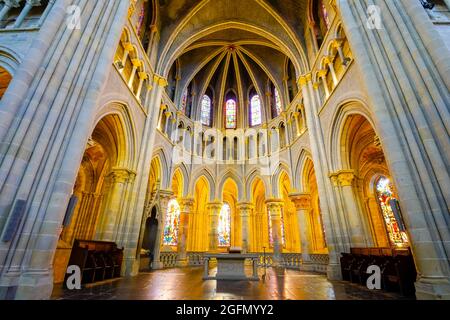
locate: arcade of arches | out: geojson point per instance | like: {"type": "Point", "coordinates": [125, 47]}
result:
{"type": "Point", "coordinates": [180, 128]}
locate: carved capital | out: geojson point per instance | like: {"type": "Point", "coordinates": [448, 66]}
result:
{"type": "Point", "coordinates": [302, 201]}
{"type": "Point", "coordinates": [304, 79]}
{"type": "Point", "coordinates": [186, 205]}
{"type": "Point", "coordinates": [245, 208]}
{"type": "Point", "coordinates": [160, 81]}
{"type": "Point", "coordinates": [343, 178]}
{"type": "Point", "coordinates": [136, 63]}
{"type": "Point", "coordinates": [322, 73]}
{"type": "Point", "coordinates": [122, 175]}
{"type": "Point", "coordinates": [214, 207]}
{"type": "Point", "coordinates": [274, 206]}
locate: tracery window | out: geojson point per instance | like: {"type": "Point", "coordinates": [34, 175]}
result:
{"type": "Point", "coordinates": [255, 107]}
{"type": "Point", "coordinates": [184, 101]}
{"type": "Point", "coordinates": [172, 222]}
{"type": "Point", "coordinates": [224, 227]}
{"type": "Point", "coordinates": [283, 238]}
{"type": "Point", "coordinates": [391, 213]}
{"type": "Point", "coordinates": [206, 110]}
{"type": "Point", "coordinates": [325, 16]}
{"type": "Point", "coordinates": [230, 114]}
{"type": "Point", "coordinates": [141, 19]}
{"type": "Point", "coordinates": [277, 102]}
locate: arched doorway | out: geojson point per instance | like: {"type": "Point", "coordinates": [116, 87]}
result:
{"type": "Point", "coordinates": [149, 240]}
{"type": "Point", "coordinates": [363, 153]}
{"type": "Point", "coordinates": [98, 193]}
{"type": "Point", "coordinates": [5, 80]}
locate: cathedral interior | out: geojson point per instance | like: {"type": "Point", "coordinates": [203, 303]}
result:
{"type": "Point", "coordinates": [147, 134]}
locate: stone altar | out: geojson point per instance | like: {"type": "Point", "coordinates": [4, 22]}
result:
{"type": "Point", "coordinates": [231, 267]}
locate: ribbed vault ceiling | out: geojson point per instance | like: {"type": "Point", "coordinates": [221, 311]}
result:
{"type": "Point", "coordinates": [232, 45]}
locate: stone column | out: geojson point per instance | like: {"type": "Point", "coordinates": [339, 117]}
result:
{"type": "Point", "coordinates": [128, 47]}
{"type": "Point", "coordinates": [302, 203]}
{"type": "Point", "coordinates": [119, 178]}
{"type": "Point", "coordinates": [9, 4]}
{"type": "Point", "coordinates": [322, 74]}
{"type": "Point", "coordinates": [164, 197]}
{"type": "Point", "coordinates": [162, 108]}
{"type": "Point", "coordinates": [55, 135]}
{"type": "Point", "coordinates": [245, 210]}
{"type": "Point", "coordinates": [186, 206]}
{"type": "Point", "coordinates": [274, 207]}
{"type": "Point", "coordinates": [411, 124]}
{"type": "Point", "coordinates": [142, 77]}
{"type": "Point", "coordinates": [167, 114]}
{"type": "Point", "coordinates": [214, 211]}
{"type": "Point", "coordinates": [337, 44]}
{"type": "Point", "coordinates": [343, 180]}
{"type": "Point", "coordinates": [25, 11]}
{"type": "Point", "coordinates": [136, 64]}
{"type": "Point", "coordinates": [331, 220]}
{"type": "Point", "coordinates": [134, 225]}
{"type": "Point", "coordinates": [329, 63]}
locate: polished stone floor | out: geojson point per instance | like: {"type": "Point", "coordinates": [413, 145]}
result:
{"type": "Point", "coordinates": [187, 284]}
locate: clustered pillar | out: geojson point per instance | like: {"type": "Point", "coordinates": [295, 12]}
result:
{"type": "Point", "coordinates": [274, 207]}
{"type": "Point", "coordinates": [214, 212]}
{"type": "Point", "coordinates": [186, 206]}
{"type": "Point", "coordinates": [302, 203]}
{"type": "Point", "coordinates": [245, 210]}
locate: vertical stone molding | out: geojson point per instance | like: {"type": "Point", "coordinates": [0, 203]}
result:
{"type": "Point", "coordinates": [406, 76]}
{"type": "Point", "coordinates": [343, 180]}
{"type": "Point", "coordinates": [302, 203]}
{"type": "Point", "coordinates": [119, 184]}
{"type": "Point", "coordinates": [245, 211]}
{"type": "Point", "coordinates": [274, 206]}
{"type": "Point", "coordinates": [214, 211]}
{"type": "Point", "coordinates": [186, 206]}
{"type": "Point", "coordinates": [164, 196]}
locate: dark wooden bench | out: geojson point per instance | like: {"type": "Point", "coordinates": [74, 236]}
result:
{"type": "Point", "coordinates": [98, 260]}
{"type": "Point", "coordinates": [397, 267]}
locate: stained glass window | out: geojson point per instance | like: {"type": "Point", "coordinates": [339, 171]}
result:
{"type": "Point", "coordinates": [283, 238]}
{"type": "Point", "coordinates": [184, 101]}
{"type": "Point", "coordinates": [230, 114]}
{"type": "Point", "coordinates": [206, 110]}
{"type": "Point", "coordinates": [277, 102]}
{"type": "Point", "coordinates": [141, 18]}
{"type": "Point", "coordinates": [255, 106]}
{"type": "Point", "coordinates": [171, 224]}
{"type": "Point", "coordinates": [325, 15]}
{"type": "Point", "coordinates": [224, 227]}
{"type": "Point", "coordinates": [389, 208]}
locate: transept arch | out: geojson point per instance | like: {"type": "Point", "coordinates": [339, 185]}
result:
{"type": "Point", "coordinates": [205, 174]}
{"type": "Point", "coordinates": [164, 167]}
{"type": "Point", "coordinates": [336, 148]}
{"type": "Point", "coordinates": [281, 168]}
{"type": "Point", "coordinates": [182, 173]}
{"type": "Point", "coordinates": [126, 131]}
{"type": "Point", "coordinates": [231, 175]}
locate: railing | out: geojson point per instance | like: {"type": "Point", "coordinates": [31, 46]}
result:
{"type": "Point", "coordinates": [24, 14]}
{"type": "Point", "coordinates": [168, 259]}
{"type": "Point", "coordinates": [292, 260]}
{"type": "Point", "coordinates": [317, 262]}
{"type": "Point", "coordinates": [195, 259]}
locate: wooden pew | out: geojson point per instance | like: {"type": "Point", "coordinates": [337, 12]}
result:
{"type": "Point", "coordinates": [398, 271]}
{"type": "Point", "coordinates": [98, 260]}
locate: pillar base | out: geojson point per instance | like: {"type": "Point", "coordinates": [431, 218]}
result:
{"type": "Point", "coordinates": [183, 263]}
{"type": "Point", "coordinates": [157, 265]}
{"type": "Point", "coordinates": [334, 272]}
{"type": "Point", "coordinates": [131, 267]}
{"type": "Point", "coordinates": [432, 289]}
{"type": "Point", "coordinates": [28, 287]}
